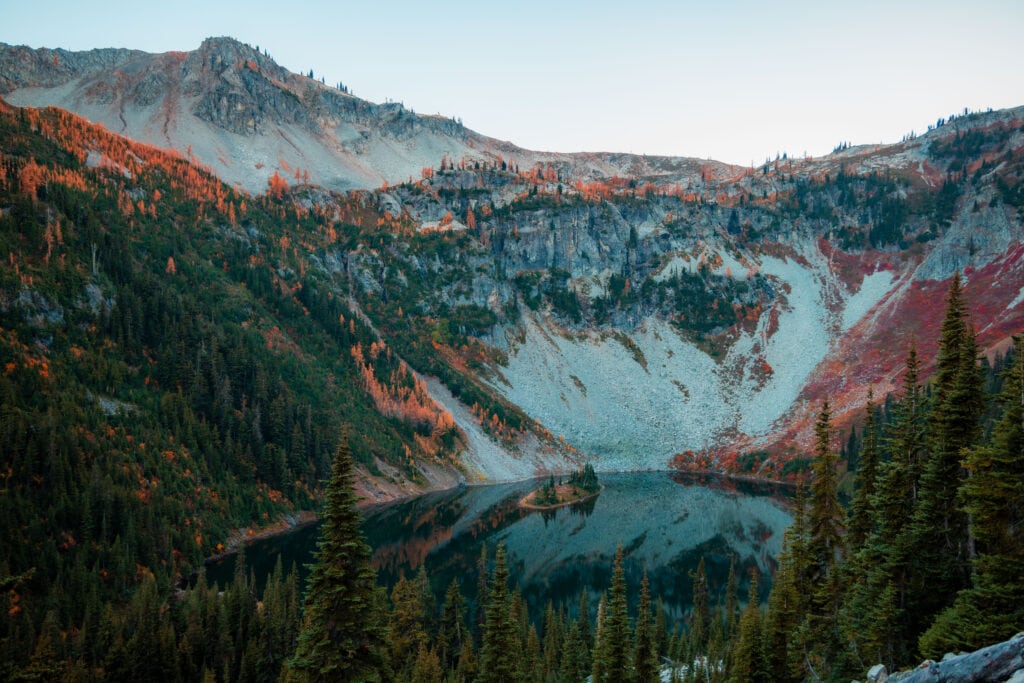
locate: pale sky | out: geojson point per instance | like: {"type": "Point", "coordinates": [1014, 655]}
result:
{"type": "Point", "coordinates": [732, 80]}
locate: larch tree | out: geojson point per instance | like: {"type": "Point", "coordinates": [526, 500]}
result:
{"type": "Point", "coordinates": [343, 631]}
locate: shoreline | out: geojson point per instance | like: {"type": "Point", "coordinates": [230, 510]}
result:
{"type": "Point", "coordinates": [554, 506]}
{"type": "Point", "coordinates": [745, 478]}
{"type": "Point", "coordinates": [303, 518]}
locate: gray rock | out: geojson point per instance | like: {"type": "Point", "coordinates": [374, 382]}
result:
{"type": "Point", "coordinates": [994, 664]}
{"type": "Point", "coordinates": [877, 673]}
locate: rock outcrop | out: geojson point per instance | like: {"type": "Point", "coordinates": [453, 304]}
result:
{"type": "Point", "coordinates": [997, 663]}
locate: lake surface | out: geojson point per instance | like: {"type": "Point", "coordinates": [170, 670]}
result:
{"type": "Point", "coordinates": [664, 522]}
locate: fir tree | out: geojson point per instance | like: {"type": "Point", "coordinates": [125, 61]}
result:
{"type": "Point", "coordinates": [732, 601]}
{"type": "Point", "coordinates": [645, 653]}
{"type": "Point", "coordinates": [939, 527]}
{"type": "Point", "coordinates": [612, 644]}
{"type": "Point", "coordinates": [825, 519]}
{"type": "Point", "coordinates": [452, 630]}
{"type": "Point", "coordinates": [500, 651]}
{"type": "Point", "coordinates": [875, 605]}
{"type": "Point", "coordinates": [342, 633]}
{"type": "Point", "coordinates": [701, 613]}
{"type": "Point", "coordinates": [992, 609]}
{"type": "Point", "coordinates": [861, 511]}
{"type": "Point", "coordinates": [748, 657]}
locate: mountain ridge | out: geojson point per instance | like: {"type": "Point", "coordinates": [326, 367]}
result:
{"type": "Point", "coordinates": [737, 298]}
{"type": "Point", "coordinates": [235, 91]}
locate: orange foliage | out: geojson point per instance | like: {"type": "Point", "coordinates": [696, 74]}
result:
{"type": "Point", "coordinates": [30, 178]}
{"type": "Point", "coordinates": [276, 185]}
{"type": "Point", "coordinates": [403, 395]}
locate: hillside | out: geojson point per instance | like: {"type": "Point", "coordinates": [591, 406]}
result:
{"type": "Point", "coordinates": [246, 117]}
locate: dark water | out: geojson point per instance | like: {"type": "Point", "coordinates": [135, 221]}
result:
{"type": "Point", "coordinates": [664, 523]}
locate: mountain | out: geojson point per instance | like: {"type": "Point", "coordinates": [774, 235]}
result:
{"type": "Point", "coordinates": [246, 117]}
{"type": "Point", "coordinates": [638, 310]}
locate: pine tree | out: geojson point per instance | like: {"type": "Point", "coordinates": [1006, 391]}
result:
{"type": "Point", "coordinates": [732, 601]}
{"type": "Point", "coordinates": [824, 547]}
{"type": "Point", "coordinates": [861, 511]}
{"type": "Point", "coordinates": [427, 667]}
{"type": "Point", "coordinates": [938, 527]}
{"type": "Point", "coordinates": [342, 633]}
{"type": "Point", "coordinates": [825, 519]}
{"type": "Point", "coordinates": [406, 632]}
{"type": "Point", "coordinates": [452, 630]}
{"type": "Point", "coordinates": [701, 613]}
{"type": "Point", "coordinates": [553, 640]}
{"type": "Point", "coordinates": [992, 609]}
{"type": "Point", "coordinates": [645, 653]}
{"type": "Point", "coordinates": [781, 620]}
{"type": "Point", "coordinates": [499, 655]}
{"type": "Point", "coordinates": [613, 637]}
{"type": "Point", "coordinates": [748, 657]}
{"type": "Point", "coordinates": [573, 665]}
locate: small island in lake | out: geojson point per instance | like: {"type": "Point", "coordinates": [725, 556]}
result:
{"type": "Point", "coordinates": [581, 485]}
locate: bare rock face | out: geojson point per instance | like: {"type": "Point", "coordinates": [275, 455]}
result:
{"type": "Point", "coordinates": [244, 116]}
{"type": "Point", "coordinates": [994, 664]}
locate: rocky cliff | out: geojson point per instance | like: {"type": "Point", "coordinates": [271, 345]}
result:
{"type": "Point", "coordinates": [641, 310]}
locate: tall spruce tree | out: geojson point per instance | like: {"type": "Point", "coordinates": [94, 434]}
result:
{"type": "Point", "coordinates": [645, 652]}
{"type": "Point", "coordinates": [749, 664]}
{"type": "Point", "coordinates": [700, 615]}
{"type": "Point", "coordinates": [343, 632]}
{"type": "Point", "coordinates": [500, 652]}
{"type": "Point", "coordinates": [611, 651]}
{"type": "Point", "coordinates": [861, 516]}
{"type": "Point", "coordinates": [992, 609]}
{"type": "Point", "coordinates": [824, 550]}
{"type": "Point", "coordinates": [938, 527]}
{"type": "Point", "coordinates": [875, 604]}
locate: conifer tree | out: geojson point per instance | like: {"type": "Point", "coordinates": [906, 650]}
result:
{"type": "Point", "coordinates": [732, 601]}
{"type": "Point", "coordinates": [645, 653]}
{"type": "Point", "coordinates": [825, 518]}
{"type": "Point", "coordinates": [701, 613]}
{"type": "Point", "coordinates": [939, 527]}
{"type": "Point", "coordinates": [824, 546]}
{"type": "Point", "coordinates": [992, 609]}
{"type": "Point", "coordinates": [406, 629]}
{"type": "Point", "coordinates": [781, 621]}
{"type": "Point", "coordinates": [500, 652]}
{"type": "Point", "coordinates": [748, 657]}
{"type": "Point", "coordinates": [342, 633]}
{"type": "Point", "coordinates": [861, 511]}
{"type": "Point", "coordinates": [875, 605]}
{"type": "Point", "coordinates": [553, 640]}
{"type": "Point", "coordinates": [573, 666]}
{"type": "Point", "coordinates": [452, 630]}
{"type": "Point", "coordinates": [612, 643]}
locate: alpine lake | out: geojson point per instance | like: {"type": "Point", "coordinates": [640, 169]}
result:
{"type": "Point", "coordinates": [664, 522]}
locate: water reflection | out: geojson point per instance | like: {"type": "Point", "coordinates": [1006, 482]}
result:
{"type": "Point", "coordinates": [665, 523]}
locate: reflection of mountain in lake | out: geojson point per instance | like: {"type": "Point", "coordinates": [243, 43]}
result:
{"type": "Point", "coordinates": [663, 525]}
